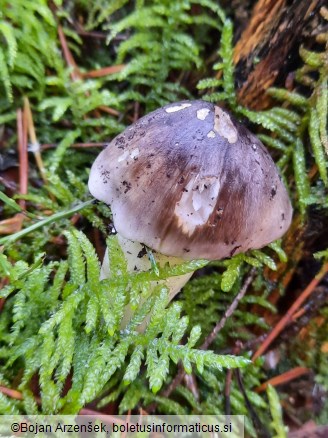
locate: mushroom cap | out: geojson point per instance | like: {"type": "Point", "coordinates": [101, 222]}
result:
{"type": "Point", "coordinates": [189, 181]}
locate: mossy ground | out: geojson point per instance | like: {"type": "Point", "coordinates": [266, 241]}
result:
{"type": "Point", "coordinates": [72, 76]}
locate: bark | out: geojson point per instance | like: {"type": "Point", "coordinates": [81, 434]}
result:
{"type": "Point", "coordinates": [267, 46]}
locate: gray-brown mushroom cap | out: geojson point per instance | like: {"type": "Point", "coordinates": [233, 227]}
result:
{"type": "Point", "coordinates": [189, 181]}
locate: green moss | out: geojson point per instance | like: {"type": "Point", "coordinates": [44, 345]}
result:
{"type": "Point", "coordinates": [60, 323]}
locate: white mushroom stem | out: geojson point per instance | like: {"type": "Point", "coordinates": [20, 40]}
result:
{"type": "Point", "coordinates": [137, 262]}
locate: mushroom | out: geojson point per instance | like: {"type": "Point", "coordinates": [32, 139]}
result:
{"type": "Point", "coordinates": [190, 182]}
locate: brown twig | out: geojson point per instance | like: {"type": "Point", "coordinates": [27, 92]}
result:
{"type": "Point", "coordinates": [227, 388]}
{"type": "Point", "coordinates": [175, 382]}
{"type": "Point", "coordinates": [23, 158]}
{"type": "Point", "coordinates": [191, 384]}
{"type": "Point", "coordinates": [288, 316]}
{"type": "Point", "coordinates": [14, 224]}
{"type": "Point", "coordinates": [284, 378]}
{"type": "Point", "coordinates": [105, 71]}
{"type": "Point", "coordinates": [136, 112]}
{"type": "Point", "coordinates": [75, 74]}
{"type": "Point", "coordinates": [108, 110]}
{"type": "Point", "coordinates": [298, 314]}
{"type": "Point", "coordinates": [85, 33]}
{"type": "Point", "coordinates": [12, 393]}
{"type": "Point", "coordinates": [219, 326]}
{"type": "Point", "coordinates": [35, 146]}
